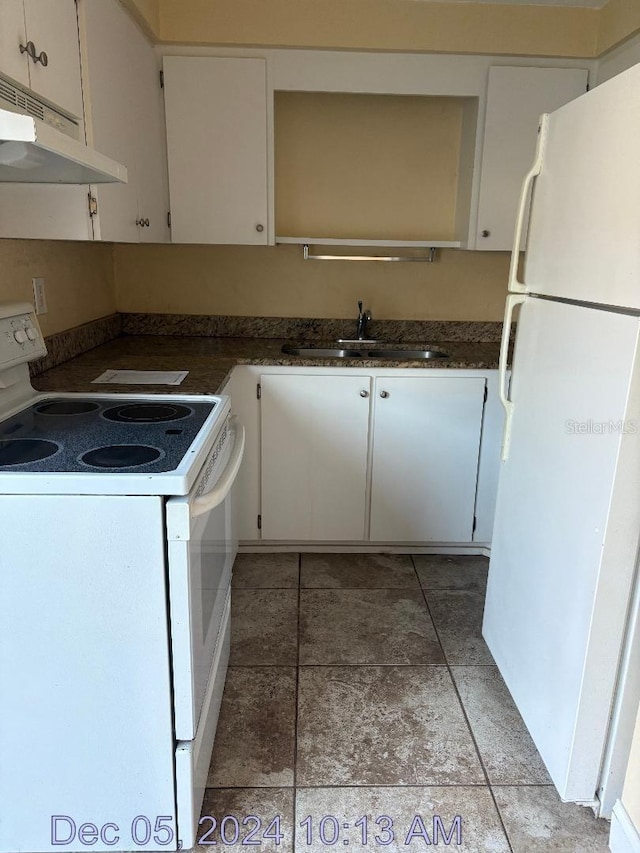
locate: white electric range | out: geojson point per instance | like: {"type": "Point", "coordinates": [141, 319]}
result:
{"type": "Point", "coordinates": [116, 550]}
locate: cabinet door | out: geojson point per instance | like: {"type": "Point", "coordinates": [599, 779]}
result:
{"type": "Point", "coordinates": [53, 28]}
{"type": "Point", "coordinates": [216, 116]}
{"type": "Point", "coordinates": [122, 80]}
{"type": "Point", "coordinates": [47, 212]}
{"type": "Point", "coordinates": [108, 81]}
{"type": "Point", "coordinates": [13, 34]}
{"type": "Point", "coordinates": [151, 147]}
{"type": "Point", "coordinates": [516, 98]}
{"type": "Point", "coordinates": [426, 440]}
{"type": "Point", "coordinates": [314, 457]}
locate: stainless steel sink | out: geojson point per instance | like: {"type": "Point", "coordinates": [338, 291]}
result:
{"type": "Point", "coordinates": [331, 352]}
{"type": "Point", "coordinates": [407, 353]}
{"type": "Point", "coordinates": [321, 352]}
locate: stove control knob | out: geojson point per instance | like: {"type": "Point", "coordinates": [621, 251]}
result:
{"type": "Point", "coordinates": [20, 336]}
{"type": "Point", "coordinates": [31, 333]}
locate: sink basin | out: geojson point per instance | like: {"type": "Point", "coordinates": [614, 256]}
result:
{"type": "Point", "coordinates": [322, 352]}
{"type": "Point", "coordinates": [407, 353]}
{"type": "Point", "coordinates": [331, 352]}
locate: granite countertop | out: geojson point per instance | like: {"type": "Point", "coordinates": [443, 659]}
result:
{"type": "Point", "coordinates": [210, 360]}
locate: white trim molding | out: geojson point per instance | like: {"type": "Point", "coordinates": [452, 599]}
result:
{"type": "Point", "coordinates": [624, 837]}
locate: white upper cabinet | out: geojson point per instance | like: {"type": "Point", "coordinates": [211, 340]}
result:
{"type": "Point", "coordinates": [51, 67]}
{"type": "Point", "coordinates": [33, 210]}
{"type": "Point", "coordinates": [13, 34]}
{"type": "Point", "coordinates": [53, 28]}
{"type": "Point", "coordinates": [151, 148]}
{"type": "Point", "coordinates": [216, 117]}
{"type": "Point", "coordinates": [516, 98]}
{"type": "Point", "coordinates": [122, 81]}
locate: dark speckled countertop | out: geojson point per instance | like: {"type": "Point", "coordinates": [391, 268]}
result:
{"type": "Point", "coordinates": [210, 360]}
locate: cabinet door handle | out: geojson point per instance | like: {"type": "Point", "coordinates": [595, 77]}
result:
{"type": "Point", "coordinates": [364, 393]}
{"type": "Point", "coordinates": [260, 228]}
{"type": "Point", "coordinates": [30, 49]}
{"type": "Point", "coordinates": [384, 394]}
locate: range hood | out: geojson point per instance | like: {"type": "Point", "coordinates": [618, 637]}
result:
{"type": "Point", "coordinates": [37, 145]}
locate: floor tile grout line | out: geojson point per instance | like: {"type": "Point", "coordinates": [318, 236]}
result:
{"type": "Point", "coordinates": [336, 663]}
{"type": "Point", "coordinates": [295, 723]}
{"type": "Point", "coordinates": [466, 718]}
{"type": "Point", "coordinates": [377, 785]}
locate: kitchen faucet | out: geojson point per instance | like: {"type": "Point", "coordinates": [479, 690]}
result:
{"type": "Point", "coordinates": [363, 319]}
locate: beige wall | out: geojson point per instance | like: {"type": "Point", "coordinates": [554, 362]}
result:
{"type": "Point", "coordinates": [619, 20]}
{"type": "Point", "coordinates": [146, 13]}
{"type": "Point", "coordinates": [404, 25]}
{"type": "Point", "coordinates": [276, 281]}
{"type": "Point", "coordinates": [78, 277]}
{"type": "Point", "coordinates": [366, 166]}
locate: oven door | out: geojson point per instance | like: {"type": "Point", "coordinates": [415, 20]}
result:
{"type": "Point", "coordinates": [201, 550]}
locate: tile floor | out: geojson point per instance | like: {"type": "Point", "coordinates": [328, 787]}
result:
{"type": "Point", "coordinates": [362, 705]}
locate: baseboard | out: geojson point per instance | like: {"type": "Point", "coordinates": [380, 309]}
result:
{"type": "Point", "coordinates": [258, 547]}
{"type": "Point", "coordinates": [624, 836]}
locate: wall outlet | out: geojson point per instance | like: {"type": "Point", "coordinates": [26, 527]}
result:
{"type": "Point", "coordinates": [39, 296]}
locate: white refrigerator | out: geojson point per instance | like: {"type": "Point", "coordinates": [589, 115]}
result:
{"type": "Point", "coordinates": [561, 608]}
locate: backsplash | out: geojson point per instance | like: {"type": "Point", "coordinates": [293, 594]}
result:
{"type": "Point", "coordinates": [66, 345]}
{"type": "Point", "coordinates": [63, 346]}
{"type": "Point", "coordinates": [309, 329]}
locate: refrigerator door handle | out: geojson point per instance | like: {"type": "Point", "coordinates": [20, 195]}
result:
{"type": "Point", "coordinates": [513, 299]}
{"type": "Point", "coordinates": [515, 285]}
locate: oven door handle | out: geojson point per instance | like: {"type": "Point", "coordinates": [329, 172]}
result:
{"type": "Point", "coordinates": [205, 503]}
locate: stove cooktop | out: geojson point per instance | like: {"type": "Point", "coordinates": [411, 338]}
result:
{"type": "Point", "coordinates": [84, 435]}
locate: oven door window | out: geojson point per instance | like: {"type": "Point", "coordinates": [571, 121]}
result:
{"type": "Point", "coordinates": [199, 579]}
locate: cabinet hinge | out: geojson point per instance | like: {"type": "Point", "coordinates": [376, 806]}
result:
{"type": "Point", "coordinates": [475, 521]}
{"type": "Point", "coordinates": [259, 522]}
{"type": "Point", "coordinates": [486, 393]}
{"type": "Point", "coordinates": [169, 219]}
{"type": "Point", "coordinates": [258, 391]}
{"type": "Point", "coordinates": [162, 79]}
{"type": "Point", "coordinates": [93, 205]}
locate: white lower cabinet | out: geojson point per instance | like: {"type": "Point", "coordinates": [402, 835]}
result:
{"type": "Point", "coordinates": [365, 457]}
{"type": "Point", "coordinates": [426, 443]}
{"type": "Point", "coordinates": [314, 444]}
